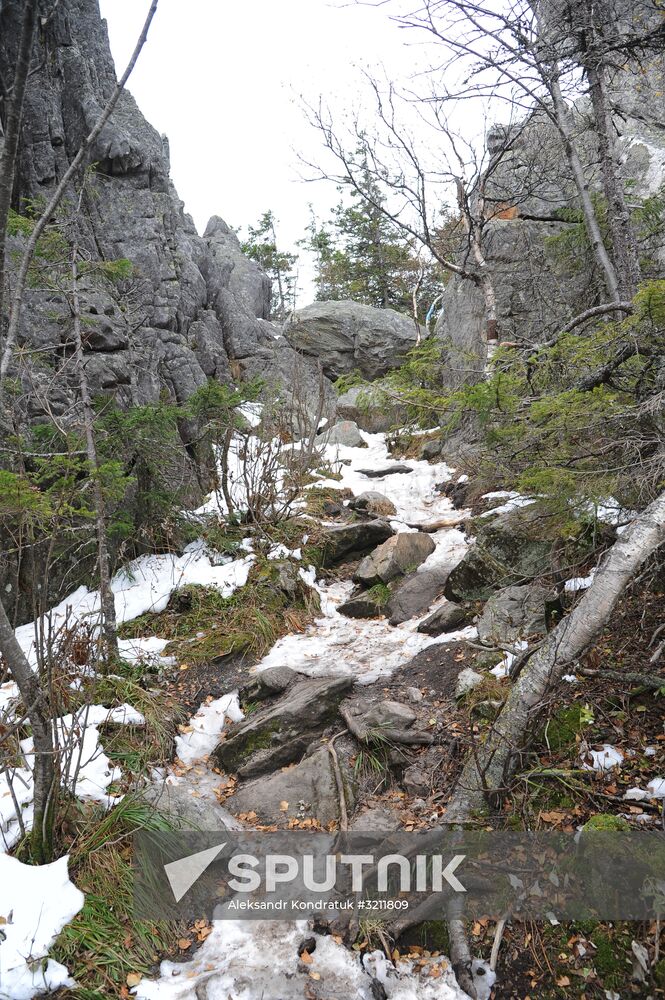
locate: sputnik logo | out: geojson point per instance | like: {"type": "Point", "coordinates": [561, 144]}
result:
{"type": "Point", "coordinates": [182, 874]}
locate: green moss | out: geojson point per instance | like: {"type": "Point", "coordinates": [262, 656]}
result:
{"type": "Point", "coordinates": [605, 821]}
{"type": "Point", "coordinates": [608, 959]}
{"type": "Point", "coordinates": [204, 626]}
{"type": "Point", "coordinates": [659, 973]}
{"type": "Point", "coordinates": [562, 730]}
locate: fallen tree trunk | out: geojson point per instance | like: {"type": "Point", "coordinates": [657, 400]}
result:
{"type": "Point", "coordinates": [489, 767]}
{"type": "Point", "coordinates": [443, 522]}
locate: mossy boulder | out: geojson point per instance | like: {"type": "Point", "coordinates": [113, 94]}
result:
{"type": "Point", "coordinates": [516, 547]}
{"type": "Point", "coordinates": [280, 733]}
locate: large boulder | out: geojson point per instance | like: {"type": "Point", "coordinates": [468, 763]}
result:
{"type": "Point", "coordinates": [348, 541]}
{"type": "Point", "coordinates": [513, 548]}
{"type": "Point", "coordinates": [514, 613]}
{"type": "Point", "coordinates": [346, 336]}
{"type": "Point", "coordinates": [280, 734]}
{"type": "Point", "coordinates": [398, 555]}
{"type": "Point", "coordinates": [344, 432]}
{"type": "Point", "coordinates": [417, 593]}
{"type": "Point", "coordinates": [308, 790]}
{"type": "Point", "coordinates": [447, 618]}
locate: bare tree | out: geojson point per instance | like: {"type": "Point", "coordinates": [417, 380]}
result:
{"type": "Point", "coordinates": [541, 55]}
{"type": "Point", "coordinates": [420, 184]}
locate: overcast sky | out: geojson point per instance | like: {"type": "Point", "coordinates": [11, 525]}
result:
{"type": "Point", "coordinates": [222, 80]}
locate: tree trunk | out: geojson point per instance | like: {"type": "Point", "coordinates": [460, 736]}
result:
{"type": "Point", "coordinates": [36, 707]}
{"type": "Point", "coordinates": [624, 245]}
{"type": "Point", "coordinates": [562, 116]}
{"type": "Point", "coordinates": [489, 768]}
{"type": "Point", "coordinates": [107, 600]}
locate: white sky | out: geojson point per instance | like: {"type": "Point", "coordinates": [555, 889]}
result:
{"type": "Point", "coordinates": [222, 80]}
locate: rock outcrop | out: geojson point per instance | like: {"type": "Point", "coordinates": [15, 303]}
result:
{"type": "Point", "coordinates": [192, 307]}
{"type": "Point", "coordinates": [538, 284]}
{"type": "Point", "coordinates": [346, 336]}
{"type": "Point", "coordinates": [280, 733]}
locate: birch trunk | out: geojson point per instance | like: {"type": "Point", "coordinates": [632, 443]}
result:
{"type": "Point", "coordinates": [490, 768]}
{"type": "Point", "coordinates": [562, 116]}
{"type": "Point", "coordinates": [36, 707]}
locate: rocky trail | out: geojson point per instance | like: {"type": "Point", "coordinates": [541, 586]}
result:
{"type": "Point", "coordinates": [389, 670]}
{"type": "Point", "coordinates": [364, 662]}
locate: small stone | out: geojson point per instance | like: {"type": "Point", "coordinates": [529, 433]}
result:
{"type": "Point", "coordinates": [467, 680]}
{"type": "Point", "coordinates": [415, 695]}
{"type": "Point", "coordinates": [373, 503]}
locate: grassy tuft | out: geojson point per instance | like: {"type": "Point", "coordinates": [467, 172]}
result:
{"type": "Point", "coordinates": [105, 943]}
{"type": "Point", "coordinates": [203, 626]}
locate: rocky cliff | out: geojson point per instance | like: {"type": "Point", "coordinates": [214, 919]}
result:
{"type": "Point", "coordinates": [194, 307]}
{"type": "Point", "coordinates": [541, 281]}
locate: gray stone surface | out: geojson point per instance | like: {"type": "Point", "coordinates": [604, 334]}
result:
{"type": "Point", "coordinates": [188, 811]}
{"type": "Point", "coordinates": [307, 790]}
{"type": "Point", "coordinates": [372, 502]}
{"type": "Point", "coordinates": [268, 683]}
{"type": "Point", "coordinates": [510, 548]}
{"type": "Point", "coordinates": [514, 613]}
{"type": "Point", "coordinates": [394, 557]}
{"type": "Point", "coordinates": [389, 713]}
{"type": "Point", "coordinates": [398, 469]}
{"type": "Point", "coordinates": [369, 410]}
{"type": "Point", "coordinates": [447, 618]}
{"type": "Point", "coordinates": [467, 680]}
{"type": "Point", "coordinates": [346, 336]}
{"type": "Point", "coordinates": [193, 308]}
{"type": "Point", "coordinates": [280, 733]}
{"type": "Point", "coordinates": [364, 605]}
{"type": "Point", "coordinates": [344, 432]}
{"type": "Point", "coordinates": [417, 593]}
{"type": "Point", "coordinates": [377, 819]}
{"type": "Point", "coordinates": [348, 541]}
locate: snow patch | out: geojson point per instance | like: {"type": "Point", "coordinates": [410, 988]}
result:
{"type": "Point", "coordinates": [204, 728]}
{"type": "Point", "coordinates": [37, 902]}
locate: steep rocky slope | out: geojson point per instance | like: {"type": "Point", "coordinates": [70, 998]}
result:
{"type": "Point", "coordinates": [194, 307]}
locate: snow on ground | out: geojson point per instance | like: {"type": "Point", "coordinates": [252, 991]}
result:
{"type": "Point", "coordinates": [232, 963]}
{"type": "Point", "coordinates": [513, 501]}
{"type": "Point", "coordinates": [145, 585]}
{"type": "Point", "coordinates": [201, 735]}
{"type": "Point", "coordinates": [579, 583]}
{"type": "Point", "coordinates": [654, 790]}
{"type": "Point", "coordinates": [36, 903]}
{"type": "Point", "coordinates": [412, 492]}
{"type": "Point", "coordinates": [233, 958]}
{"type": "Point", "coordinates": [502, 669]}
{"type": "Point", "coordinates": [605, 759]}
{"type": "Point", "coordinates": [84, 766]}
{"type": "Point", "coordinates": [367, 648]}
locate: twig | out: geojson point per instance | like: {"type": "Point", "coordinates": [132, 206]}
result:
{"type": "Point", "coordinates": [339, 781]}
{"type": "Point", "coordinates": [496, 944]}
